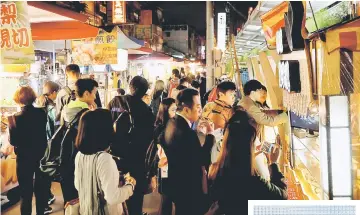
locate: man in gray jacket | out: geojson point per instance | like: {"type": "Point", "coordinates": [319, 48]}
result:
{"type": "Point", "coordinates": [254, 94]}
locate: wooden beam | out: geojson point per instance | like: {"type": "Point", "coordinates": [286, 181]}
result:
{"type": "Point", "coordinates": [250, 69]}
{"type": "Point", "coordinates": [237, 72]}
{"type": "Point", "coordinates": [256, 69]}
{"type": "Point", "coordinates": [269, 81]}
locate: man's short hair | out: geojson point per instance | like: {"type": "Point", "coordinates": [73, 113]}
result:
{"type": "Point", "coordinates": [83, 85]}
{"type": "Point", "coordinates": [176, 73]}
{"type": "Point", "coordinates": [185, 98]}
{"type": "Point", "coordinates": [120, 91]}
{"type": "Point", "coordinates": [73, 68]}
{"type": "Point", "coordinates": [264, 88]}
{"type": "Point", "coordinates": [183, 80]}
{"type": "Point", "coordinates": [139, 85]}
{"type": "Point", "coordinates": [195, 84]}
{"type": "Point", "coordinates": [252, 85]}
{"type": "Point", "coordinates": [225, 86]}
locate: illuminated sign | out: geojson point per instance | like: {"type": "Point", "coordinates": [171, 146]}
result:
{"type": "Point", "coordinates": [16, 42]}
{"type": "Point", "coordinates": [221, 31]}
{"type": "Point", "coordinates": [119, 12]}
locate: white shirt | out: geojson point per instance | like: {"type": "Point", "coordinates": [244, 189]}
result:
{"type": "Point", "coordinates": [188, 121]}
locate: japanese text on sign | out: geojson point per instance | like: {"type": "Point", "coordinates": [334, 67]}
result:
{"type": "Point", "coordinates": [12, 37]}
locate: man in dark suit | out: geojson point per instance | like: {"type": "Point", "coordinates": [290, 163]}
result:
{"type": "Point", "coordinates": [185, 155]}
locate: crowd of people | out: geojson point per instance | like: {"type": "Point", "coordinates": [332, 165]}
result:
{"type": "Point", "coordinates": [206, 149]}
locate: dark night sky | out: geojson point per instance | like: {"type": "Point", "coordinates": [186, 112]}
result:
{"type": "Point", "coordinates": [194, 13]}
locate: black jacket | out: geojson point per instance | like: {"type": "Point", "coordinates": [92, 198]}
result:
{"type": "Point", "coordinates": [28, 133]}
{"type": "Point", "coordinates": [185, 157]}
{"type": "Point", "coordinates": [231, 182]}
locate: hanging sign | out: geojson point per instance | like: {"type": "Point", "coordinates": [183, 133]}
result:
{"type": "Point", "coordinates": [119, 12]}
{"type": "Point", "coordinates": [221, 31]}
{"type": "Point", "coordinates": [15, 40]}
{"type": "Point", "coordinates": [98, 50]}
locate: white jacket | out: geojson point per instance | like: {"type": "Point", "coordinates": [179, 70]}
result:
{"type": "Point", "coordinates": [109, 179]}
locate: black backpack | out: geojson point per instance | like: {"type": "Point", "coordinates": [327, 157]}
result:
{"type": "Point", "coordinates": [123, 127]}
{"type": "Point", "coordinates": [70, 96]}
{"type": "Point", "coordinates": [57, 149]}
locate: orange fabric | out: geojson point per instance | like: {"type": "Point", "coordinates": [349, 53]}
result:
{"type": "Point", "coordinates": [272, 21]}
{"type": "Point", "coordinates": [64, 30]}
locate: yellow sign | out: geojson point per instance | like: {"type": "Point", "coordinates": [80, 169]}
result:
{"type": "Point", "coordinates": [15, 42]}
{"type": "Point", "coordinates": [119, 12]}
{"type": "Point", "coordinates": [99, 50]}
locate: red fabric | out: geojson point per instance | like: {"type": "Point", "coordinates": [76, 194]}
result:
{"type": "Point", "coordinates": [348, 40]}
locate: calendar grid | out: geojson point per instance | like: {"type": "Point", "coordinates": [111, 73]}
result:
{"type": "Point", "coordinates": [305, 210]}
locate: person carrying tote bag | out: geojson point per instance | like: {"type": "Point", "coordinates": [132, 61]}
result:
{"type": "Point", "coordinates": [96, 176]}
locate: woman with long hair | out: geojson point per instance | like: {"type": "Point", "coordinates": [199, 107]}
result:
{"type": "Point", "coordinates": [159, 94]}
{"type": "Point", "coordinates": [96, 175]}
{"type": "Point", "coordinates": [167, 110]}
{"type": "Point", "coordinates": [234, 171]}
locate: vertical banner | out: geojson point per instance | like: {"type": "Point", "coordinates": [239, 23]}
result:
{"type": "Point", "coordinates": [15, 40]}
{"type": "Point", "coordinates": [119, 12]}
{"type": "Point", "coordinates": [221, 31]}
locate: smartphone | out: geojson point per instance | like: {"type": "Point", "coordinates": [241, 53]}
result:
{"type": "Point", "coordinates": [267, 147]}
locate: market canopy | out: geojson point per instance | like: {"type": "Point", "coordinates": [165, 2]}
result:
{"type": "Point", "coordinates": [62, 30]}
{"type": "Point", "coordinates": [126, 42]}
{"type": "Point", "coordinates": [252, 35]}
{"type": "Point", "coordinates": [155, 56]}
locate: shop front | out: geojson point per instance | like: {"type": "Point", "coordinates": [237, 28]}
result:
{"type": "Point", "coordinates": [318, 83]}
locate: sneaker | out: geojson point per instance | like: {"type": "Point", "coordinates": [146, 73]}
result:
{"type": "Point", "coordinates": [51, 199]}
{"type": "Point", "coordinates": [48, 210]}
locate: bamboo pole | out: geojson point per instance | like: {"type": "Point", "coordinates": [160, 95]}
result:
{"type": "Point", "coordinates": [237, 68]}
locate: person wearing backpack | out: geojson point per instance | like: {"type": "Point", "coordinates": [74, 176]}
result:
{"type": "Point", "coordinates": [134, 126]}
{"type": "Point", "coordinates": [27, 133]}
{"type": "Point", "coordinates": [167, 111]}
{"type": "Point", "coordinates": [46, 101]}
{"type": "Point", "coordinates": [67, 93]}
{"type": "Point", "coordinates": [158, 96]}
{"type": "Point", "coordinates": [85, 90]}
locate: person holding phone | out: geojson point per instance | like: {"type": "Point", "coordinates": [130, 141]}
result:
{"type": "Point", "coordinates": [234, 171]}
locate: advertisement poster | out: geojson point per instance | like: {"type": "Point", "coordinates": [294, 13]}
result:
{"type": "Point", "coordinates": [143, 32]}
{"type": "Point", "coordinates": [100, 50]}
{"type": "Point", "coordinates": [15, 40]}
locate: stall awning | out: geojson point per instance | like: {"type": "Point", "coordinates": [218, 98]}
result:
{"type": "Point", "coordinates": [151, 57]}
{"type": "Point", "coordinates": [125, 42]}
{"type": "Point", "coordinates": [140, 51]}
{"type": "Point", "coordinates": [64, 30]}
{"type": "Point", "coordinates": [59, 10]}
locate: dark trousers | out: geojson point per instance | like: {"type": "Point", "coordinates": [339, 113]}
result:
{"type": "Point", "coordinates": [166, 205]}
{"type": "Point", "coordinates": [190, 204]}
{"type": "Point", "coordinates": [25, 170]}
{"type": "Point", "coordinates": [68, 184]}
{"type": "Point", "coordinates": [135, 203]}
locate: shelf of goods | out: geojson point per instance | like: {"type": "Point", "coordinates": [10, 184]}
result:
{"type": "Point", "coordinates": [307, 166]}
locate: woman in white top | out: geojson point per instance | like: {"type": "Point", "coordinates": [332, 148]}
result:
{"type": "Point", "coordinates": [96, 175]}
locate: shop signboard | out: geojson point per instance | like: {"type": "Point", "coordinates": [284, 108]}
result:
{"type": "Point", "coordinates": [15, 42]}
{"type": "Point", "coordinates": [221, 31]}
{"type": "Point", "coordinates": [119, 12]}
{"type": "Point", "coordinates": [95, 51]}
{"type": "Point", "coordinates": [143, 32]}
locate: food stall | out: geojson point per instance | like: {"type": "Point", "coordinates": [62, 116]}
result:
{"type": "Point", "coordinates": [318, 81]}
